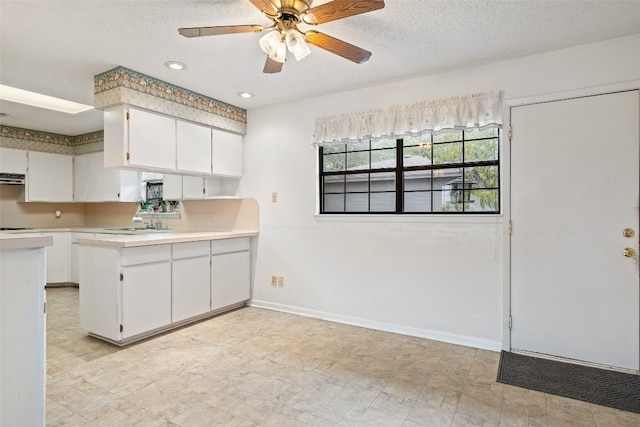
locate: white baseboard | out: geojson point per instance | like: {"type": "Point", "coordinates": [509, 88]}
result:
{"type": "Point", "coordinates": [381, 326]}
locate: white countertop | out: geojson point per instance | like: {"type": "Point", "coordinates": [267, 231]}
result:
{"type": "Point", "coordinates": [163, 238]}
{"type": "Point", "coordinates": [23, 241]}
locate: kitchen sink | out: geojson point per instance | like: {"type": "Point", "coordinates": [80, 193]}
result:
{"type": "Point", "coordinates": [139, 229]}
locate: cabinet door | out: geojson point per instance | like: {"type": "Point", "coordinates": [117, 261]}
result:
{"type": "Point", "coordinates": [95, 166]}
{"type": "Point", "coordinates": [152, 140]}
{"type": "Point", "coordinates": [74, 255]}
{"type": "Point", "coordinates": [120, 185]}
{"type": "Point", "coordinates": [14, 161]}
{"type": "Point", "coordinates": [226, 153]}
{"type": "Point", "coordinates": [192, 187]}
{"type": "Point", "coordinates": [172, 187]}
{"type": "Point", "coordinates": [193, 148]}
{"type": "Point", "coordinates": [191, 291]}
{"type": "Point", "coordinates": [81, 178]}
{"type": "Point", "coordinates": [146, 298]}
{"type": "Point", "coordinates": [50, 177]}
{"type": "Point", "coordinates": [230, 279]}
{"type": "Point", "coordinates": [58, 258]}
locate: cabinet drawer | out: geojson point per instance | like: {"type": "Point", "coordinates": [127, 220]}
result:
{"type": "Point", "coordinates": [190, 249]}
{"type": "Point", "coordinates": [146, 254]}
{"type": "Point", "coordinates": [230, 245]}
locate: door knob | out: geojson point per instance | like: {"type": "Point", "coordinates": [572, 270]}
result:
{"type": "Point", "coordinates": [628, 232]}
{"type": "Point", "coordinates": [629, 252]}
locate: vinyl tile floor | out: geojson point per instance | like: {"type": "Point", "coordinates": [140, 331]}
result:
{"type": "Point", "coordinates": [255, 367]}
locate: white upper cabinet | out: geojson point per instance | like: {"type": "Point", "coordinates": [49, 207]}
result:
{"type": "Point", "coordinates": [152, 140]}
{"type": "Point", "coordinates": [92, 182]}
{"type": "Point", "coordinates": [81, 178]}
{"type": "Point", "coordinates": [120, 185]}
{"type": "Point", "coordinates": [13, 160]}
{"type": "Point", "coordinates": [172, 187]}
{"type": "Point", "coordinates": [226, 153]}
{"type": "Point", "coordinates": [49, 178]}
{"type": "Point", "coordinates": [143, 140]}
{"type": "Point", "coordinates": [193, 148]}
{"type": "Point", "coordinates": [138, 139]}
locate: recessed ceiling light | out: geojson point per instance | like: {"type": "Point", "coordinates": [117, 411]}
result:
{"type": "Point", "coordinates": [175, 65]}
{"type": "Point", "coordinates": [20, 96]}
{"type": "Point", "coordinates": [245, 94]}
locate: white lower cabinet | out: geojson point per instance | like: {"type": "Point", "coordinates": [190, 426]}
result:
{"type": "Point", "coordinates": [190, 293]}
{"type": "Point", "coordinates": [230, 272]}
{"type": "Point", "coordinates": [159, 287]}
{"type": "Point", "coordinates": [74, 255]}
{"type": "Point", "coordinates": [58, 258]}
{"type": "Point", "coordinates": [146, 297]}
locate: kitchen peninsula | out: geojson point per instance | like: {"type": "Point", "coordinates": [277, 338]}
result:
{"type": "Point", "coordinates": [136, 286]}
{"type": "Point", "coordinates": [22, 329]}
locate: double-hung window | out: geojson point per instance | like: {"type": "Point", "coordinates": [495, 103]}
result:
{"type": "Point", "coordinates": [454, 172]}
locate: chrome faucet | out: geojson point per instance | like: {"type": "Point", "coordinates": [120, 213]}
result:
{"type": "Point", "coordinates": [154, 225]}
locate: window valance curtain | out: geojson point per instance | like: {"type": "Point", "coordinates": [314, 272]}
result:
{"type": "Point", "coordinates": [481, 110]}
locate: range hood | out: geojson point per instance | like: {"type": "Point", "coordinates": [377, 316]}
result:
{"type": "Point", "coordinates": [12, 178]}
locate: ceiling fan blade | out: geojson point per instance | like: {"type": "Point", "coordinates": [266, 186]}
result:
{"type": "Point", "coordinates": [271, 66]}
{"type": "Point", "coordinates": [216, 31]}
{"type": "Point", "coordinates": [339, 47]}
{"type": "Point", "coordinates": [265, 6]}
{"type": "Point", "coordinates": [338, 9]}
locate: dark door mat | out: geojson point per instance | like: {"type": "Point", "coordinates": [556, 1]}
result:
{"type": "Point", "coordinates": [614, 389]}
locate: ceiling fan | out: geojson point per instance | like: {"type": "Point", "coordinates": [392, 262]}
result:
{"type": "Point", "coordinates": [283, 34]}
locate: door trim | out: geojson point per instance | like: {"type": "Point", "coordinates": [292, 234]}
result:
{"type": "Point", "coordinates": [507, 105]}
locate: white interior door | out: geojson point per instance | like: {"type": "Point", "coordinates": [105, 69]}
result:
{"type": "Point", "coordinates": [574, 189]}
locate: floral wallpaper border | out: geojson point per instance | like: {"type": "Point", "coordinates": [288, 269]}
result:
{"type": "Point", "coordinates": [27, 139]}
{"type": "Point", "coordinates": [124, 77]}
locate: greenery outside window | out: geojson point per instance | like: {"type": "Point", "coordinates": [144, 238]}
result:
{"type": "Point", "coordinates": [449, 173]}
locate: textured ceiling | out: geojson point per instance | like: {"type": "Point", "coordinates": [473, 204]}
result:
{"type": "Point", "coordinates": [57, 46]}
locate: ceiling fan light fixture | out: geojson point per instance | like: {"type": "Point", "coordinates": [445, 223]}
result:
{"type": "Point", "coordinates": [280, 52]}
{"type": "Point", "coordinates": [269, 42]}
{"type": "Point", "coordinates": [296, 44]}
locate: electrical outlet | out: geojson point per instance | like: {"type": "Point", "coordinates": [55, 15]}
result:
{"type": "Point", "coordinates": [274, 280]}
{"type": "Point", "coordinates": [209, 216]}
{"type": "Point", "coordinates": [280, 281]}
{"type": "Point", "coordinates": [274, 197]}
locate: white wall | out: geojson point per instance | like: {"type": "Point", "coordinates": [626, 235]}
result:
{"type": "Point", "coordinates": [437, 277]}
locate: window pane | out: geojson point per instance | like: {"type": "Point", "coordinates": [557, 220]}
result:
{"type": "Point", "coordinates": [477, 151]}
{"type": "Point", "coordinates": [331, 149]}
{"type": "Point", "coordinates": [383, 202]}
{"type": "Point", "coordinates": [334, 203]}
{"type": "Point", "coordinates": [447, 153]}
{"type": "Point", "coordinates": [483, 201]}
{"type": "Point", "coordinates": [423, 140]}
{"type": "Point", "coordinates": [419, 201]}
{"type": "Point", "coordinates": [417, 180]}
{"type": "Point", "coordinates": [333, 184]}
{"type": "Point", "coordinates": [359, 146]}
{"type": "Point", "coordinates": [417, 156]}
{"type": "Point", "coordinates": [383, 159]}
{"type": "Point", "coordinates": [482, 176]}
{"type": "Point", "coordinates": [357, 202]}
{"type": "Point", "coordinates": [357, 183]}
{"type": "Point", "coordinates": [476, 133]}
{"type": "Point", "coordinates": [358, 160]}
{"type": "Point", "coordinates": [333, 162]}
{"type": "Point", "coordinates": [448, 136]}
{"type": "Point", "coordinates": [444, 177]}
{"type": "Point", "coordinates": [385, 181]}
{"type": "Point", "coordinates": [384, 143]}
